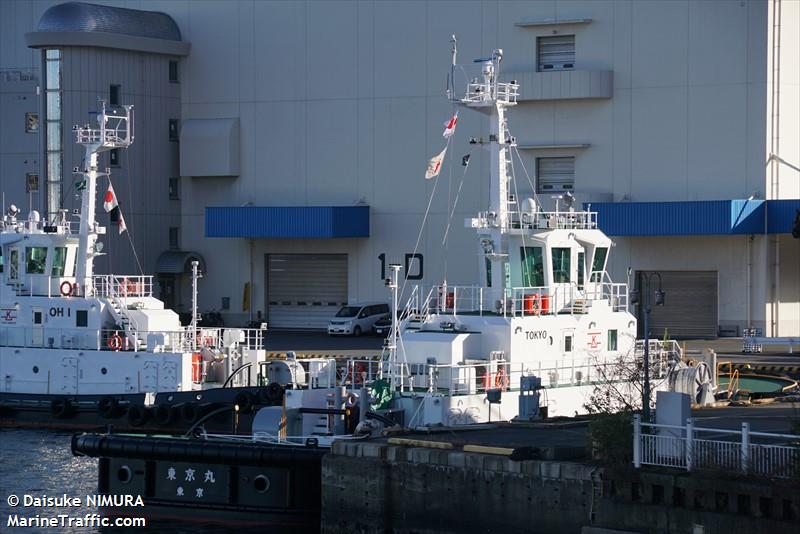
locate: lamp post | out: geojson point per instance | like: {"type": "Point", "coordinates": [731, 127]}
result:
{"type": "Point", "coordinates": [658, 295]}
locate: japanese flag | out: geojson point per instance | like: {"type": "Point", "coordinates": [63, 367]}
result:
{"type": "Point", "coordinates": [110, 200]}
{"type": "Point", "coordinates": [122, 226]}
{"type": "Point", "coordinates": [435, 165]}
{"type": "Point", "coordinates": [450, 126]}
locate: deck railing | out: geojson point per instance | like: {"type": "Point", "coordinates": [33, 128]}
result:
{"type": "Point", "coordinates": [122, 286]}
{"type": "Point", "coordinates": [521, 301]}
{"type": "Point", "coordinates": [730, 450]}
{"type": "Point", "coordinates": [183, 340]}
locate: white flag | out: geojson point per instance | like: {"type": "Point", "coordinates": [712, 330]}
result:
{"type": "Point", "coordinates": [450, 126]}
{"type": "Point", "coordinates": [435, 165]}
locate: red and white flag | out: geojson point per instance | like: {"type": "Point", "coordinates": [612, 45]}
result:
{"type": "Point", "coordinates": [110, 200]}
{"type": "Point", "coordinates": [450, 126]}
{"type": "Point", "coordinates": [435, 165]}
{"type": "Point", "coordinates": [122, 226]}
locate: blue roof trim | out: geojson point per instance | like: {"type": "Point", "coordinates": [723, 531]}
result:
{"type": "Point", "coordinates": [781, 214]}
{"type": "Point", "coordinates": [309, 222]}
{"type": "Point", "coordinates": [83, 17]}
{"type": "Point", "coordinates": [709, 217]}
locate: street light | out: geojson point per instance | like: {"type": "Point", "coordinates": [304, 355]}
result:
{"type": "Point", "coordinates": [658, 295]}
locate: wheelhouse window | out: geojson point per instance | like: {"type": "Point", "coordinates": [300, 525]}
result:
{"type": "Point", "coordinates": [532, 266]}
{"type": "Point", "coordinates": [561, 265]}
{"type": "Point", "coordinates": [599, 263]}
{"type": "Point", "coordinates": [59, 261]}
{"type": "Point", "coordinates": [35, 259]}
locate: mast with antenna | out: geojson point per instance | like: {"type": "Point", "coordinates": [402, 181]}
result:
{"type": "Point", "coordinates": [490, 96]}
{"type": "Point", "coordinates": [114, 130]}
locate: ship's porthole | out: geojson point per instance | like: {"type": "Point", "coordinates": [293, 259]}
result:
{"type": "Point", "coordinates": [124, 474]}
{"type": "Point", "coordinates": [104, 370]}
{"type": "Point", "coordinates": [35, 369]}
{"type": "Point", "coordinates": [261, 484]}
{"type": "Point", "coordinates": [199, 396]}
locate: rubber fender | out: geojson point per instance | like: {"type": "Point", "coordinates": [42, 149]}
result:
{"type": "Point", "coordinates": [138, 415]}
{"type": "Point", "coordinates": [163, 414]}
{"type": "Point", "coordinates": [108, 407]}
{"type": "Point", "coordinates": [61, 408]}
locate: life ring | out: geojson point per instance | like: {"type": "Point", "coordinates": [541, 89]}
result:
{"type": "Point", "coordinates": [65, 288]}
{"type": "Point", "coordinates": [115, 342]}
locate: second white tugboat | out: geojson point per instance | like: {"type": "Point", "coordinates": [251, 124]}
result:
{"type": "Point", "coordinates": [541, 331]}
{"type": "Point", "coordinates": [79, 349]}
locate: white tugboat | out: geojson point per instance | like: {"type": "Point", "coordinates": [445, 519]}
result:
{"type": "Point", "coordinates": [75, 346]}
{"type": "Point", "coordinates": [543, 329]}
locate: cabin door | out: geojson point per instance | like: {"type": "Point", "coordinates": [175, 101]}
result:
{"type": "Point", "coordinates": [37, 328]}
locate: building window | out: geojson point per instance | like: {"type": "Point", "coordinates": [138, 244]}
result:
{"type": "Point", "coordinates": [612, 340]}
{"type": "Point", "coordinates": [174, 189]}
{"type": "Point", "coordinates": [555, 52]}
{"type": "Point", "coordinates": [32, 182]}
{"type": "Point", "coordinates": [53, 124]}
{"type": "Point", "coordinates": [113, 95]}
{"type": "Point", "coordinates": [555, 175]}
{"type": "Point", "coordinates": [31, 122]}
{"type": "Point", "coordinates": [173, 129]}
{"type": "Point", "coordinates": [113, 157]}
{"type": "Point", "coordinates": [174, 238]}
{"type": "Point", "coordinates": [173, 71]}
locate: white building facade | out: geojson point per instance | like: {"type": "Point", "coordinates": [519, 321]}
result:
{"type": "Point", "coordinates": [305, 128]}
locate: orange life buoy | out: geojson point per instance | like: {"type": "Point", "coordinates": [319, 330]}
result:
{"type": "Point", "coordinates": [66, 289]}
{"type": "Point", "coordinates": [115, 342]}
{"type": "Point", "coordinates": [197, 367]}
{"type": "Point", "coordinates": [532, 304]}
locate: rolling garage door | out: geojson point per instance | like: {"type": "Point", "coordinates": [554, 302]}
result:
{"type": "Point", "coordinates": [690, 309]}
{"type": "Point", "coordinates": [305, 290]}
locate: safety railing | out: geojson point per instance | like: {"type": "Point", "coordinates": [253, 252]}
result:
{"type": "Point", "coordinates": [521, 301]}
{"type": "Point", "coordinates": [468, 379]}
{"type": "Point", "coordinates": [548, 220]}
{"type": "Point", "coordinates": [184, 340]}
{"type": "Point", "coordinates": [122, 286]}
{"type": "Point", "coordinates": [729, 450]}
{"type": "Point", "coordinates": [483, 91]}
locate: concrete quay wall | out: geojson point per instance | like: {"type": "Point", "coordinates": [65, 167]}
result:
{"type": "Point", "coordinates": [375, 487]}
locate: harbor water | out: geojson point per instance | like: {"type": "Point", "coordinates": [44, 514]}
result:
{"type": "Point", "coordinates": [40, 463]}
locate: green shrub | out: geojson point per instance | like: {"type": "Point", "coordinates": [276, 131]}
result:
{"type": "Point", "coordinates": [611, 437]}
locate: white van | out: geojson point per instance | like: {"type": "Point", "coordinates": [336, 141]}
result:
{"type": "Point", "coordinates": [357, 319]}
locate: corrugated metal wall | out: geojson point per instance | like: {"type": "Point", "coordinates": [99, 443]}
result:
{"type": "Point", "coordinates": [314, 222]}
